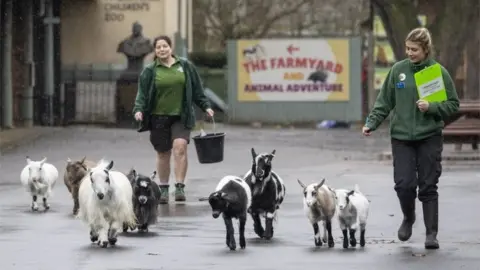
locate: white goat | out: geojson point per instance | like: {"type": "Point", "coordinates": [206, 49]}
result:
{"type": "Point", "coordinates": [39, 178]}
{"type": "Point", "coordinates": [105, 198]}
{"type": "Point", "coordinates": [319, 205]}
{"type": "Point", "coordinates": [352, 213]}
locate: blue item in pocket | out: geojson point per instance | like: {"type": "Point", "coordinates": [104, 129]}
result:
{"type": "Point", "coordinates": [400, 85]}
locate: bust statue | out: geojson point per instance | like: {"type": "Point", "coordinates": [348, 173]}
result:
{"type": "Point", "coordinates": [135, 48]}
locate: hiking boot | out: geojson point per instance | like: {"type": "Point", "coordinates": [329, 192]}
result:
{"type": "Point", "coordinates": [408, 209]}
{"type": "Point", "coordinates": [179, 192]}
{"type": "Point", "coordinates": [430, 217]}
{"type": "Point", "coordinates": [164, 196]}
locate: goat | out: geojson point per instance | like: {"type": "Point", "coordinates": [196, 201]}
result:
{"type": "Point", "coordinates": [268, 192]}
{"type": "Point", "coordinates": [74, 173]}
{"type": "Point", "coordinates": [39, 179]}
{"type": "Point", "coordinates": [353, 213]}
{"type": "Point", "coordinates": [319, 204]}
{"type": "Point", "coordinates": [231, 198]}
{"type": "Point", "coordinates": [146, 195]}
{"type": "Point", "coordinates": [105, 198]}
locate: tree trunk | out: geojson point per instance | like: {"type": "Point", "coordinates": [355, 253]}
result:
{"type": "Point", "coordinates": [450, 27]}
{"type": "Point", "coordinates": [472, 90]}
{"type": "Point", "coordinates": [398, 17]}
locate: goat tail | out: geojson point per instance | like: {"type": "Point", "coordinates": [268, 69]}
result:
{"type": "Point", "coordinates": [357, 188]}
{"type": "Point", "coordinates": [129, 216]}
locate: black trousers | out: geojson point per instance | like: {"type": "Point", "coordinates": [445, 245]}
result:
{"type": "Point", "coordinates": [417, 164]}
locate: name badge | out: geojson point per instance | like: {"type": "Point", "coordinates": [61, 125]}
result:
{"type": "Point", "coordinates": [400, 85]}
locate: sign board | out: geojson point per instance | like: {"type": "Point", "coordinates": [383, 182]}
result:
{"type": "Point", "coordinates": [293, 70]}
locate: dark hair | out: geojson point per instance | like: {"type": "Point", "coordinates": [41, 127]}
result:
{"type": "Point", "coordinates": [164, 38]}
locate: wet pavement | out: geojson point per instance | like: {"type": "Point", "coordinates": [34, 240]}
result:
{"type": "Point", "coordinates": [187, 237]}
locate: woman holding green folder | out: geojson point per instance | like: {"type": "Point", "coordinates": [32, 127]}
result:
{"type": "Point", "coordinates": [421, 94]}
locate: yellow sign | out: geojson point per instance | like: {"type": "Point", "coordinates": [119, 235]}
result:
{"type": "Point", "coordinates": [293, 70]}
{"type": "Point", "coordinates": [430, 84]}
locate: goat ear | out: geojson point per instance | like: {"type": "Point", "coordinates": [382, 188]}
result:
{"type": "Point", "coordinates": [69, 160]}
{"type": "Point", "coordinates": [350, 193]}
{"type": "Point", "coordinates": [153, 175]}
{"type": "Point", "coordinates": [320, 184]}
{"type": "Point", "coordinates": [273, 152]}
{"type": "Point", "coordinates": [301, 183]}
{"type": "Point", "coordinates": [83, 160]}
{"type": "Point", "coordinates": [110, 166]}
{"type": "Point", "coordinates": [133, 172]}
{"type": "Point", "coordinates": [28, 159]}
{"type": "Point", "coordinates": [254, 155]}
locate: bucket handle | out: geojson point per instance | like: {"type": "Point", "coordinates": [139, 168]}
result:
{"type": "Point", "coordinates": [214, 130]}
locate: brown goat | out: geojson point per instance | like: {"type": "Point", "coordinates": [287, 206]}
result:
{"type": "Point", "coordinates": [74, 173]}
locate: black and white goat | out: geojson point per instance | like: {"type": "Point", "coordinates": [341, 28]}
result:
{"type": "Point", "coordinates": [268, 192]}
{"type": "Point", "coordinates": [231, 198]}
{"type": "Point", "coordinates": [146, 195]}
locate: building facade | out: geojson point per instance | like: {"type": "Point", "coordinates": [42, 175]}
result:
{"type": "Point", "coordinates": [39, 39]}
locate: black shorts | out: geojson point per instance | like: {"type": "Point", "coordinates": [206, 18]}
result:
{"type": "Point", "coordinates": [165, 129]}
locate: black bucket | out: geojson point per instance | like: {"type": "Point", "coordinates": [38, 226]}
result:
{"type": "Point", "coordinates": [209, 147]}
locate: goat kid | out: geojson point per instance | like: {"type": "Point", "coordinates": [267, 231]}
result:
{"type": "Point", "coordinates": [146, 196]}
{"type": "Point", "coordinates": [39, 179]}
{"type": "Point", "coordinates": [319, 205]}
{"type": "Point", "coordinates": [231, 198]}
{"type": "Point", "coordinates": [268, 192]}
{"type": "Point", "coordinates": [353, 214]}
{"type": "Point", "coordinates": [105, 198]}
{"type": "Point", "coordinates": [75, 171]}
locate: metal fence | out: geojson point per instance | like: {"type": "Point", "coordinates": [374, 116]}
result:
{"type": "Point", "coordinates": [90, 95]}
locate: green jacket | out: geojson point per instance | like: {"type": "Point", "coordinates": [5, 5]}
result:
{"type": "Point", "coordinates": [408, 122]}
{"type": "Point", "coordinates": [194, 93]}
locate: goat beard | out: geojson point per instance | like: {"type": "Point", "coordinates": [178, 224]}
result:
{"type": "Point", "coordinates": [141, 212]}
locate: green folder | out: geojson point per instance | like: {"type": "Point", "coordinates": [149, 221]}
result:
{"type": "Point", "coordinates": [430, 84]}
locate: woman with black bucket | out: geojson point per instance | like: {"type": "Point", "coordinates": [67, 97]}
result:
{"type": "Point", "coordinates": [416, 129]}
{"type": "Point", "coordinates": [167, 89]}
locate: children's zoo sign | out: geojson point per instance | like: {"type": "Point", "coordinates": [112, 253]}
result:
{"type": "Point", "coordinates": [293, 70]}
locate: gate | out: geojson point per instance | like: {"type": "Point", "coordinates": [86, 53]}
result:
{"type": "Point", "coordinates": [96, 96]}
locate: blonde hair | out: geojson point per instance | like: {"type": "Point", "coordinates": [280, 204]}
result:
{"type": "Point", "coordinates": [422, 37]}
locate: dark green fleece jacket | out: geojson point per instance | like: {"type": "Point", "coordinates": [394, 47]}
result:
{"type": "Point", "coordinates": [194, 94]}
{"type": "Point", "coordinates": [400, 96]}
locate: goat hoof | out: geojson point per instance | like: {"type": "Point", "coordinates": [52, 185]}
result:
{"type": "Point", "coordinates": [232, 246]}
{"type": "Point", "coordinates": [112, 241]}
{"type": "Point", "coordinates": [34, 208]}
{"type": "Point", "coordinates": [362, 242]}
{"type": "Point", "coordinates": [318, 242]}
{"type": "Point", "coordinates": [104, 244]}
{"type": "Point", "coordinates": [259, 231]}
{"type": "Point", "coordinates": [353, 242]}
{"type": "Point", "coordinates": [243, 243]}
{"type": "Point", "coordinates": [93, 238]}
{"type": "Point", "coordinates": [47, 207]}
{"type": "Point", "coordinates": [345, 243]}
{"type": "Point", "coordinates": [125, 228]}
{"type": "Point", "coordinates": [331, 244]}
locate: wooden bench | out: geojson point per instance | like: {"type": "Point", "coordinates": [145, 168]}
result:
{"type": "Point", "coordinates": [464, 126]}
